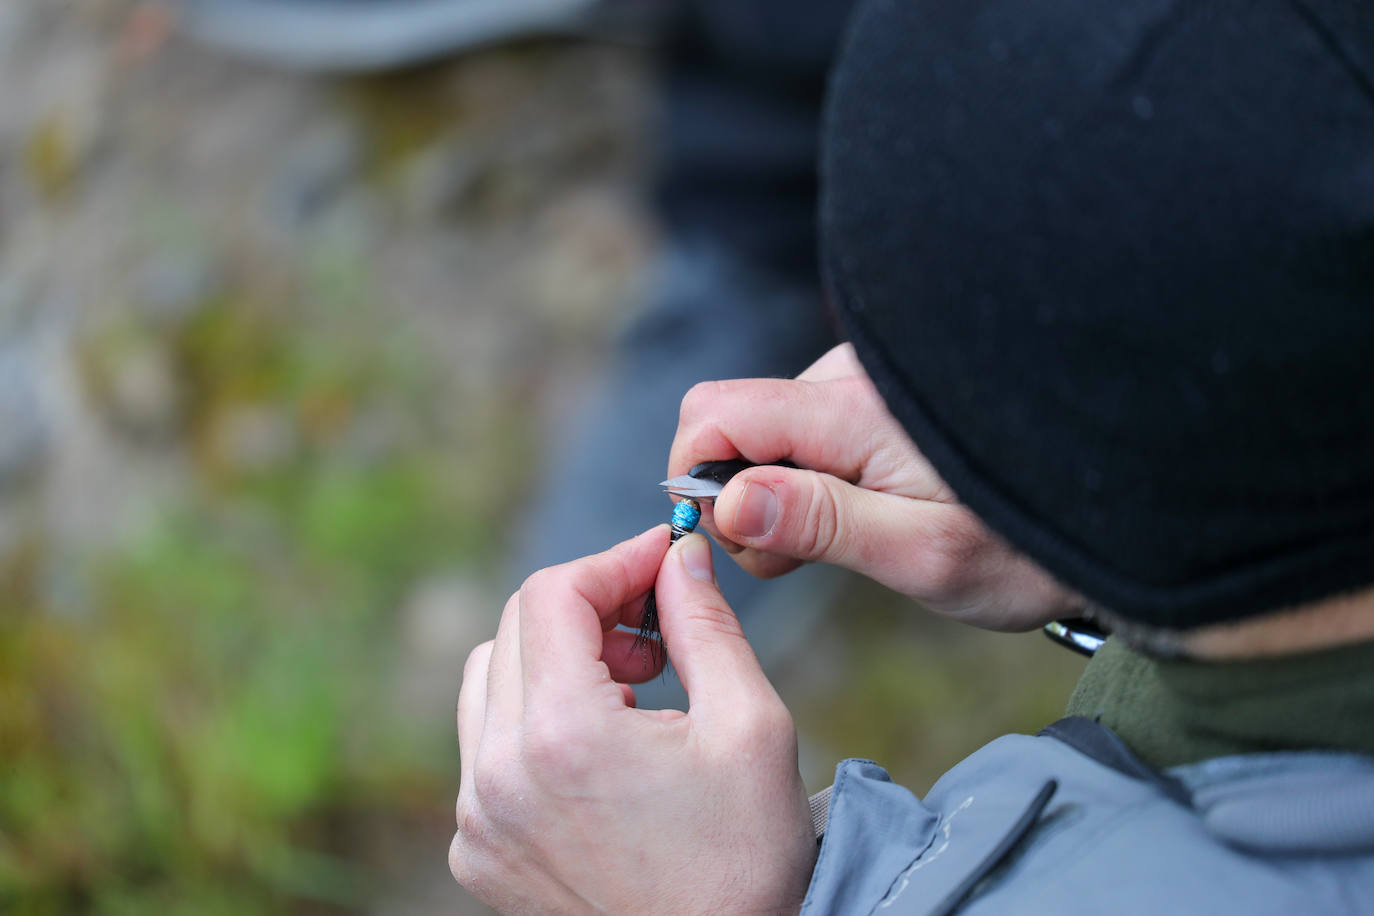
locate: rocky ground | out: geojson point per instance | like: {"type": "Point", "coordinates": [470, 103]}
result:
{"type": "Point", "coordinates": [277, 354]}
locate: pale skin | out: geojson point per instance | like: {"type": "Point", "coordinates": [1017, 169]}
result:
{"type": "Point", "coordinates": [1337, 621]}
{"type": "Point", "coordinates": [869, 500]}
{"type": "Point", "coordinates": [573, 801]}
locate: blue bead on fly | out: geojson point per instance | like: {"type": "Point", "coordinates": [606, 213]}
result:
{"type": "Point", "coordinates": [686, 514]}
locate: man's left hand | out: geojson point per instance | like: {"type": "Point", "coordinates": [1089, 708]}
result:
{"type": "Point", "coordinates": [574, 801]}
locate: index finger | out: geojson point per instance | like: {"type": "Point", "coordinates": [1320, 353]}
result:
{"type": "Point", "coordinates": [565, 611]}
{"type": "Point", "coordinates": [834, 425]}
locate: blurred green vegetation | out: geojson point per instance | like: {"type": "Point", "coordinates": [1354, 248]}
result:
{"type": "Point", "coordinates": [303, 326]}
{"type": "Point", "coordinates": [212, 725]}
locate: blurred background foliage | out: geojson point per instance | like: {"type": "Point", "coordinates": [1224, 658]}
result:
{"type": "Point", "coordinates": [203, 727]}
{"type": "Point", "coordinates": [277, 357]}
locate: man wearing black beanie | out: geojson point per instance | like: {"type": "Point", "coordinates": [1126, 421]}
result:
{"type": "Point", "coordinates": [1108, 274]}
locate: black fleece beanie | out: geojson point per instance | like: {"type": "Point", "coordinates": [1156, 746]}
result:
{"type": "Point", "coordinates": [1112, 266]}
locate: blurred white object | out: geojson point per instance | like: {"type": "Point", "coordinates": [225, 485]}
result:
{"type": "Point", "coordinates": [359, 35]}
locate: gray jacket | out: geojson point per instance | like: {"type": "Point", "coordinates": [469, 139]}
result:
{"type": "Point", "coordinates": [1070, 821]}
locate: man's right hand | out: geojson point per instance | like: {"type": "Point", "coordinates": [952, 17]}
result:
{"type": "Point", "coordinates": [868, 499]}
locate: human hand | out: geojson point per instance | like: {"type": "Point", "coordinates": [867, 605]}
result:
{"type": "Point", "coordinates": [868, 500]}
{"type": "Point", "coordinates": [574, 801]}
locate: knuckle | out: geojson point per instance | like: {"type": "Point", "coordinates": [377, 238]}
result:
{"type": "Point", "coordinates": [822, 533]}
{"type": "Point", "coordinates": [552, 746]}
{"type": "Point", "coordinates": [710, 622]}
{"type": "Point", "coordinates": [467, 814]}
{"type": "Point", "coordinates": [860, 397]}
{"type": "Point", "coordinates": [497, 779]}
{"type": "Point", "coordinates": [471, 863]}
{"type": "Point", "coordinates": [473, 840]}
{"type": "Point", "coordinates": [699, 401]}
{"type": "Point", "coordinates": [533, 582]}
{"type": "Point", "coordinates": [458, 859]}
{"type": "Point", "coordinates": [477, 659]}
{"type": "Point", "coordinates": [768, 730]}
{"type": "Point", "coordinates": [548, 581]}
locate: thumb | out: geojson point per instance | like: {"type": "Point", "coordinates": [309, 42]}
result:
{"type": "Point", "coordinates": [810, 516]}
{"type": "Point", "coordinates": [707, 644]}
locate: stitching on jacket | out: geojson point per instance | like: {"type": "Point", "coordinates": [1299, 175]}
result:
{"type": "Point", "coordinates": [903, 880]}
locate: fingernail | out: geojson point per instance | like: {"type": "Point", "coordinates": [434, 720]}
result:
{"type": "Point", "coordinates": [757, 511]}
{"type": "Point", "coordinates": [696, 558]}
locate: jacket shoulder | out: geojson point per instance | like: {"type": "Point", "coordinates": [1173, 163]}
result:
{"type": "Point", "coordinates": [1049, 824]}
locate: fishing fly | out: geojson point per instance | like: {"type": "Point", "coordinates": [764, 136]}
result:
{"type": "Point", "coordinates": [686, 514]}
{"type": "Point", "coordinates": [702, 482]}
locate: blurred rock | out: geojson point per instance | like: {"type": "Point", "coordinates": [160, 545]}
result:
{"type": "Point", "coordinates": [142, 394]}
{"type": "Point", "coordinates": [254, 438]}
{"type": "Point", "coordinates": [175, 284]}
{"type": "Point", "coordinates": [23, 264]}
{"type": "Point", "coordinates": [12, 23]}
{"type": "Point", "coordinates": [318, 167]}
{"type": "Point", "coordinates": [351, 225]}
{"type": "Point", "coordinates": [24, 434]}
{"type": "Point", "coordinates": [589, 246]}
{"type": "Point", "coordinates": [145, 29]}
{"type": "Point", "coordinates": [377, 433]}
{"type": "Point", "coordinates": [68, 123]}
{"type": "Point", "coordinates": [439, 179]}
{"type": "Point", "coordinates": [445, 618]}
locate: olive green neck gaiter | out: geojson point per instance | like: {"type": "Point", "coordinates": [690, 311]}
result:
{"type": "Point", "coordinates": [1176, 711]}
